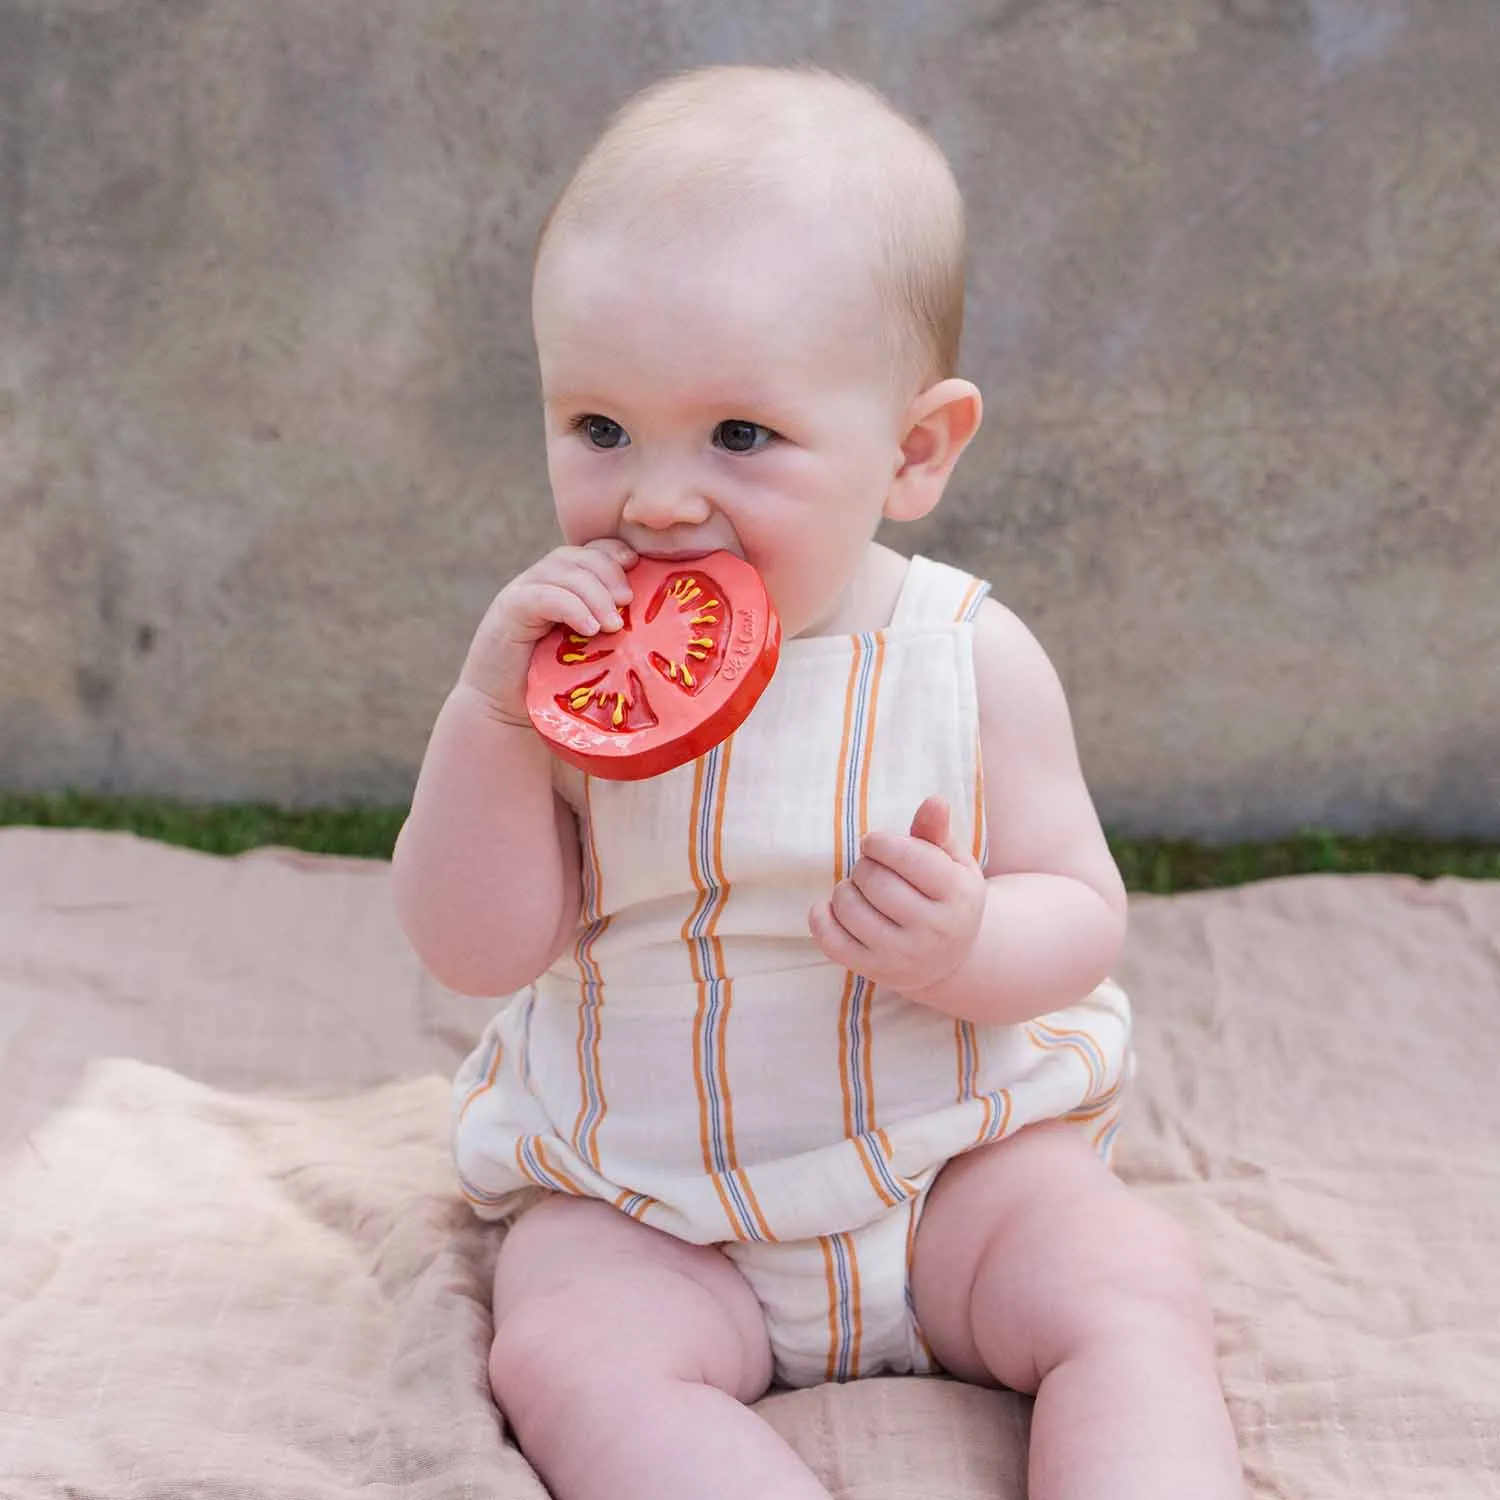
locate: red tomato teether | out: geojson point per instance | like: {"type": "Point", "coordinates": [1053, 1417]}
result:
{"type": "Point", "coordinates": [698, 646]}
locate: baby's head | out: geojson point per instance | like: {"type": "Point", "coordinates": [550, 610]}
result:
{"type": "Point", "coordinates": [747, 306]}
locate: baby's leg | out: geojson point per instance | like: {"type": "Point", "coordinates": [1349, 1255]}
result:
{"type": "Point", "coordinates": [622, 1359]}
{"type": "Point", "coordinates": [1037, 1268]}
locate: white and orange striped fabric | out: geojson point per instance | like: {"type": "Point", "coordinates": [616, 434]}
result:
{"type": "Point", "coordinates": [696, 1061]}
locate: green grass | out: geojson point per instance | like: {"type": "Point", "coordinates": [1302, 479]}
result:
{"type": "Point", "coordinates": [216, 828]}
{"type": "Point", "coordinates": [1165, 866]}
{"type": "Point", "coordinates": [1158, 866]}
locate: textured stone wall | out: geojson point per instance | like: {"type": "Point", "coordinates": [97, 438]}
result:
{"type": "Point", "coordinates": [267, 429]}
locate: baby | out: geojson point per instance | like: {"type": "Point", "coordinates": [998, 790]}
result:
{"type": "Point", "coordinates": [813, 1063]}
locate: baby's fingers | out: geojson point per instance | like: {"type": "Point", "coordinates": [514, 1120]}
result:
{"type": "Point", "coordinates": [596, 592]}
{"type": "Point", "coordinates": [608, 559]}
{"type": "Point", "coordinates": [837, 944]}
{"type": "Point", "coordinates": [540, 606]}
{"type": "Point", "coordinates": [928, 868]}
{"type": "Point", "coordinates": [889, 893]}
{"type": "Point", "coordinates": [854, 913]}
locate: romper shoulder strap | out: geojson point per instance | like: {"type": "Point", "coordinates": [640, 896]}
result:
{"type": "Point", "coordinates": [937, 593]}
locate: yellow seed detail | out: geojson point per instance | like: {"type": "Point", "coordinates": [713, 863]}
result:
{"type": "Point", "coordinates": [687, 676]}
{"type": "Point", "coordinates": [571, 656]}
{"type": "Point", "coordinates": [619, 714]}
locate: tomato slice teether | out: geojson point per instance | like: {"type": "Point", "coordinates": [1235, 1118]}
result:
{"type": "Point", "coordinates": [698, 646]}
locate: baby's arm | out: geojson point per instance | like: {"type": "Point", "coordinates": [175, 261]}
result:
{"type": "Point", "coordinates": [1055, 912]}
{"type": "Point", "coordinates": [1043, 922]}
{"type": "Point", "coordinates": [486, 871]}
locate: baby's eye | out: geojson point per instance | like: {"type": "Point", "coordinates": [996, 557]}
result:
{"type": "Point", "coordinates": [736, 436]}
{"type": "Point", "coordinates": [601, 432]}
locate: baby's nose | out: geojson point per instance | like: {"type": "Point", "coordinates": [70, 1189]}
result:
{"type": "Point", "coordinates": [664, 501]}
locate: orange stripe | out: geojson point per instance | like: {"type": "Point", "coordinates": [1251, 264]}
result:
{"type": "Point", "coordinates": [989, 1115]}
{"type": "Point", "coordinates": [1058, 1039]}
{"type": "Point", "coordinates": [973, 588]}
{"type": "Point", "coordinates": [967, 1039]}
{"type": "Point", "coordinates": [978, 800]}
{"type": "Point", "coordinates": [978, 846]}
{"type": "Point", "coordinates": [911, 1252]}
{"type": "Point", "coordinates": [867, 1049]}
{"type": "Point", "coordinates": [541, 1156]}
{"type": "Point", "coordinates": [842, 872]}
{"type": "Point", "coordinates": [863, 1148]}
{"type": "Point", "coordinates": [705, 883]}
{"type": "Point", "coordinates": [721, 878]}
{"type": "Point", "coordinates": [839, 869]}
{"type": "Point", "coordinates": [557, 1172]}
{"type": "Point", "coordinates": [717, 949]}
{"type": "Point", "coordinates": [831, 1277]}
{"type": "Point", "coordinates": [487, 1085]}
{"type": "Point", "coordinates": [856, 1307]}
{"type": "Point", "coordinates": [583, 957]}
{"type": "Point", "coordinates": [704, 1115]}
{"type": "Point", "coordinates": [641, 1209]}
{"type": "Point", "coordinates": [1102, 1106]}
{"type": "Point", "coordinates": [851, 1126]}
{"type": "Point", "coordinates": [869, 752]}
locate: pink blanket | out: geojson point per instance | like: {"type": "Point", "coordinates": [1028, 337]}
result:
{"type": "Point", "coordinates": [233, 1263]}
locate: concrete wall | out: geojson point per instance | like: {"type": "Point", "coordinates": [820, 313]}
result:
{"type": "Point", "coordinates": [267, 436]}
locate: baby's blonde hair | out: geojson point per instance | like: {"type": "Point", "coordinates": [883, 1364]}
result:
{"type": "Point", "coordinates": [724, 141]}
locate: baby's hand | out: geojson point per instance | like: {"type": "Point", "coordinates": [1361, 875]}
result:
{"type": "Point", "coordinates": [910, 910]}
{"type": "Point", "coordinates": [580, 587]}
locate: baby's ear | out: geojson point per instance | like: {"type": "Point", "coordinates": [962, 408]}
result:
{"type": "Point", "coordinates": [939, 424]}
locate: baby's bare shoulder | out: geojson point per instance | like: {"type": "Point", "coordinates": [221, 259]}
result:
{"type": "Point", "coordinates": [1016, 681]}
{"type": "Point", "coordinates": [1041, 816]}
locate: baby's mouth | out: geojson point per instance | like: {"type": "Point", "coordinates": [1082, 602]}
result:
{"type": "Point", "coordinates": [665, 554]}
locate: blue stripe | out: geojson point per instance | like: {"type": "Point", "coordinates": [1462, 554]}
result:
{"type": "Point", "coordinates": [844, 1357]}
{"type": "Point", "coordinates": [897, 1190]}
{"type": "Point", "coordinates": [592, 983]}
{"type": "Point", "coordinates": [1093, 1057]}
{"type": "Point", "coordinates": [539, 1171]}
{"type": "Point", "coordinates": [712, 771]}
{"type": "Point", "coordinates": [710, 1069]}
{"type": "Point", "coordinates": [479, 1194]}
{"type": "Point", "coordinates": [485, 1064]}
{"type": "Point", "coordinates": [866, 647]}
{"type": "Point", "coordinates": [997, 1098]}
{"type": "Point", "coordinates": [978, 599]}
{"type": "Point", "coordinates": [966, 1037]}
{"type": "Point", "coordinates": [856, 1052]}
{"type": "Point", "coordinates": [859, 1000]}
{"type": "Point", "coordinates": [526, 1039]}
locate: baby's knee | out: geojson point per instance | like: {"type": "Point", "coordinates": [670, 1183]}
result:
{"type": "Point", "coordinates": [541, 1356]}
{"type": "Point", "coordinates": [1149, 1277]}
{"type": "Point", "coordinates": [597, 1332]}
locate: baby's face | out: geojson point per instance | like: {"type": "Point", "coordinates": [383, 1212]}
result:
{"type": "Point", "coordinates": [720, 395]}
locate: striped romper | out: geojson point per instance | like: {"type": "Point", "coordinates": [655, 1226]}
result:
{"type": "Point", "coordinates": [694, 1059]}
